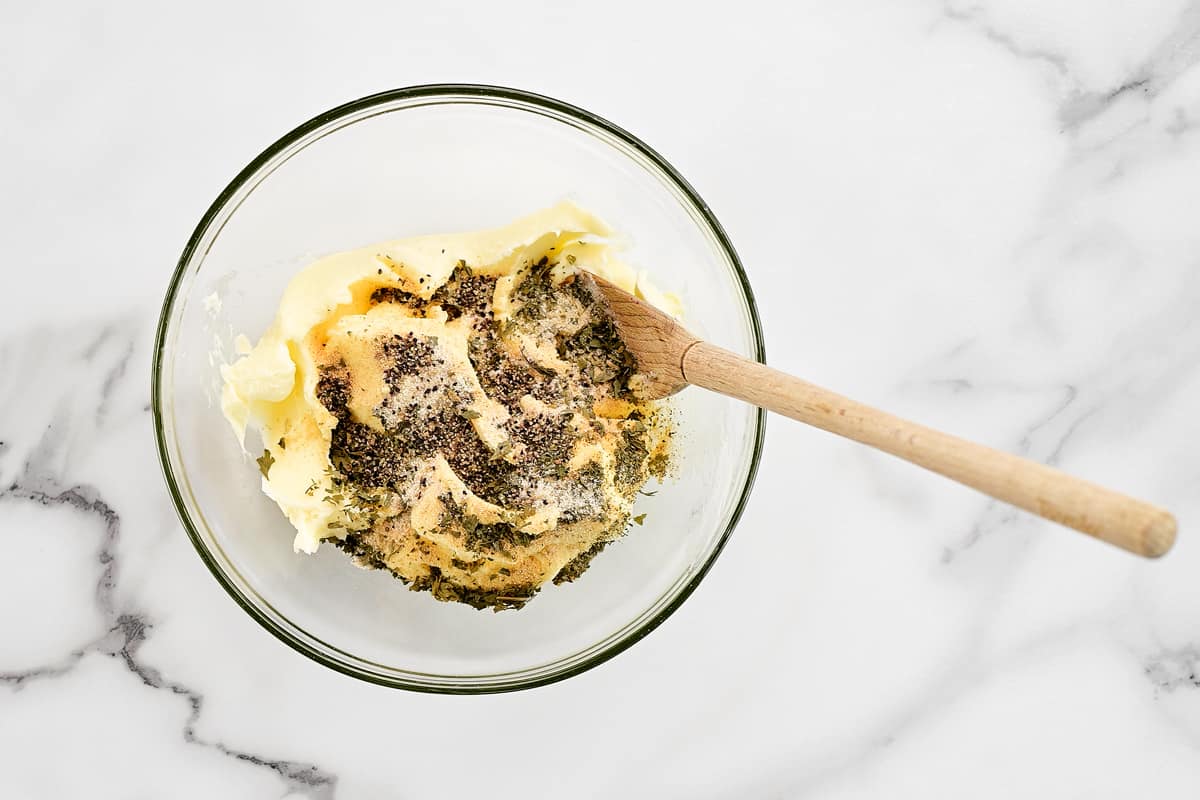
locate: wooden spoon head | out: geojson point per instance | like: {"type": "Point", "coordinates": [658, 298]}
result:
{"type": "Point", "coordinates": [655, 340]}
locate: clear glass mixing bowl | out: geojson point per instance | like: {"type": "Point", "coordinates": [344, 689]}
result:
{"type": "Point", "coordinates": [434, 159]}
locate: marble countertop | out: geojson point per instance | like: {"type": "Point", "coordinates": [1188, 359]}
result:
{"type": "Point", "coordinates": [983, 215]}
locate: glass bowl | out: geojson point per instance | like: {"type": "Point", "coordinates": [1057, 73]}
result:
{"type": "Point", "coordinates": [432, 159]}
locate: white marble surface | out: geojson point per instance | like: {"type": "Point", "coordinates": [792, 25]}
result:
{"type": "Point", "coordinates": [984, 215]}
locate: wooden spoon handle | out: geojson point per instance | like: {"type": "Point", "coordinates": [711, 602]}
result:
{"type": "Point", "coordinates": [1131, 524]}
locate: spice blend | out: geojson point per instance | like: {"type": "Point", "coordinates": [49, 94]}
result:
{"type": "Point", "coordinates": [481, 438]}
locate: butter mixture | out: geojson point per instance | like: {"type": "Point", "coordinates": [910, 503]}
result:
{"type": "Point", "coordinates": [454, 409]}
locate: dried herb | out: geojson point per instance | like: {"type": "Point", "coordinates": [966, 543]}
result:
{"type": "Point", "coordinates": [578, 565]}
{"type": "Point", "coordinates": [631, 456]}
{"type": "Point", "coordinates": [447, 591]}
{"type": "Point", "coordinates": [264, 462]}
{"type": "Point", "coordinates": [599, 354]}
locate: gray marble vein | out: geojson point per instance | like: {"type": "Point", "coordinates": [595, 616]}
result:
{"type": "Point", "coordinates": [125, 629]}
{"type": "Point", "coordinates": [1169, 59]}
{"type": "Point", "coordinates": [976, 18]}
{"type": "Point", "coordinates": [1175, 669]}
{"type": "Point", "coordinates": [1043, 441]}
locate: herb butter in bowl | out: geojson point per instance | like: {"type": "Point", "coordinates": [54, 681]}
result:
{"type": "Point", "coordinates": [454, 409]}
{"type": "Point", "coordinates": [449, 411]}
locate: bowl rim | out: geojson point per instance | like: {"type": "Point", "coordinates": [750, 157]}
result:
{"type": "Point", "coordinates": [466, 91]}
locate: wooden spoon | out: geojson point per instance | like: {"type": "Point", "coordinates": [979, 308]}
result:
{"type": "Point", "coordinates": [669, 358]}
